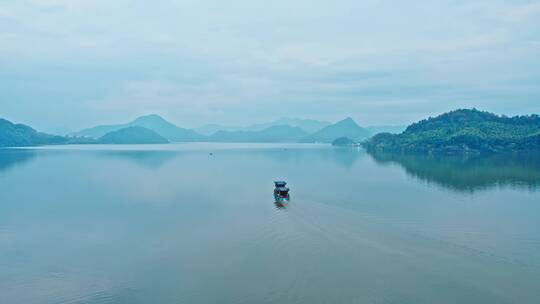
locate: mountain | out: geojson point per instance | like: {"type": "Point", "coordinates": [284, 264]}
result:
{"type": "Point", "coordinates": [10, 158]}
{"type": "Point", "coordinates": [166, 129]}
{"type": "Point", "coordinates": [133, 135]}
{"type": "Point", "coordinates": [463, 131]}
{"type": "Point", "coordinates": [345, 128]}
{"type": "Point", "coordinates": [213, 128]}
{"type": "Point", "coordinates": [308, 125]}
{"type": "Point", "coordinates": [19, 135]}
{"type": "Point", "coordinates": [386, 129]}
{"type": "Point", "coordinates": [271, 134]}
{"type": "Point", "coordinates": [98, 131]}
{"type": "Point", "coordinates": [153, 122]}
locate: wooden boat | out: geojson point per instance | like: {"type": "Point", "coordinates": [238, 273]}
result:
{"type": "Point", "coordinates": [281, 192]}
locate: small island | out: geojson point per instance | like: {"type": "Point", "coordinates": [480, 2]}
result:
{"type": "Point", "coordinates": [343, 142]}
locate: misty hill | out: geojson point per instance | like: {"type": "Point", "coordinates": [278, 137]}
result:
{"type": "Point", "coordinates": [308, 125]}
{"type": "Point", "coordinates": [213, 128]}
{"type": "Point", "coordinates": [152, 122]}
{"type": "Point", "coordinates": [271, 134]}
{"type": "Point", "coordinates": [345, 128]}
{"type": "Point", "coordinates": [463, 131]}
{"type": "Point", "coordinates": [19, 135]}
{"type": "Point", "coordinates": [133, 135]}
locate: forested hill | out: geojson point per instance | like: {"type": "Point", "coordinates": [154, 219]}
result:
{"type": "Point", "coordinates": [463, 131]}
{"type": "Point", "coordinates": [20, 135]}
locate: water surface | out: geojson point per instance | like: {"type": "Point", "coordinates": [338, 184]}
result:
{"type": "Point", "coordinates": [196, 223]}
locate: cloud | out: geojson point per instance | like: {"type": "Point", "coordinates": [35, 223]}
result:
{"type": "Point", "coordinates": [232, 62]}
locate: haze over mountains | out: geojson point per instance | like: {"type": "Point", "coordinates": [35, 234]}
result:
{"type": "Point", "coordinates": [154, 129]}
{"type": "Point", "coordinates": [459, 131]}
{"type": "Point", "coordinates": [344, 128]}
{"type": "Point", "coordinates": [20, 135]}
{"type": "Point", "coordinates": [280, 133]}
{"type": "Point", "coordinates": [308, 125]}
{"type": "Point", "coordinates": [153, 122]}
{"type": "Point", "coordinates": [281, 130]}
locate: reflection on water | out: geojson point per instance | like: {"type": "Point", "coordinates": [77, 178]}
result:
{"type": "Point", "coordinates": [148, 159]}
{"type": "Point", "coordinates": [342, 157]}
{"type": "Point", "coordinates": [347, 156]}
{"type": "Point", "coordinates": [470, 173]}
{"type": "Point", "coordinates": [196, 223]}
{"type": "Point", "coordinates": [12, 157]}
{"type": "Point", "coordinates": [280, 205]}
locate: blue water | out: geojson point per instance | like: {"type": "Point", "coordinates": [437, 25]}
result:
{"type": "Point", "coordinates": [196, 223]}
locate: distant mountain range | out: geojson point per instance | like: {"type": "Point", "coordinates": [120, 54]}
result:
{"type": "Point", "coordinates": [282, 133]}
{"type": "Point", "coordinates": [153, 122]}
{"type": "Point", "coordinates": [155, 129]}
{"type": "Point", "coordinates": [210, 129]}
{"type": "Point", "coordinates": [308, 125]}
{"type": "Point", "coordinates": [463, 131]}
{"type": "Point", "coordinates": [281, 130]}
{"type": "Point", "coordinates": [460, 131]}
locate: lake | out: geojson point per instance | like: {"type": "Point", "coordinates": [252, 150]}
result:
{"type": "Point", "coordinates": [197, 223]}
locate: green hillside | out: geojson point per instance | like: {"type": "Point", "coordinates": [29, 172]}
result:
{"type": "Point", "coordinates": [463, 131]}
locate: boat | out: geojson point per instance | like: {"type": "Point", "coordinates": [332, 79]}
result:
{"type": "Point", "coordinates": [281, 192]}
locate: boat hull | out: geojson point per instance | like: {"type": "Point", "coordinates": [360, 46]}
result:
{"type": "Point", "coordinates": [280, 198]}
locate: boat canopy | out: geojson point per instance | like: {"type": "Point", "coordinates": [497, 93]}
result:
{"type": "Point", "coordinates": [280, 183]}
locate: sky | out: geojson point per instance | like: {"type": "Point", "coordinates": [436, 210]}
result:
{"type": "Point", "coordinates": [71, 64]}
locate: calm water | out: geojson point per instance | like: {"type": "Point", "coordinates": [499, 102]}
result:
{"type": "Point", "coordinates": [174, 224]}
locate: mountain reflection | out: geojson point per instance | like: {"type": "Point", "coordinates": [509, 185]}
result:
{"type": "Point", "coordinates": [147, 159]}
{"type": "Point", "coordinates": [13, 157]}
{"type": "Point", "coordinates": [344, 157]}
{"type": "Point", "coordinates": [469, 174]}
{"type": "Point", "coordinates": [280, 205]}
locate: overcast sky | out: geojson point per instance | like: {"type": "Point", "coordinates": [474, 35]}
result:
{"type": "Point", "coordinates": [69, 64]}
